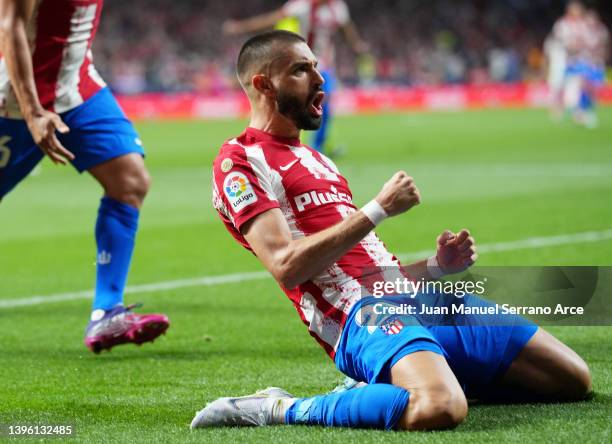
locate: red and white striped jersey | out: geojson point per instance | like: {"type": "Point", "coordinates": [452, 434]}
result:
{"type": "Point", "coordinates": [60, 34]}
{"type": "Point", "coordinates": [319, 21]}
{"type": "Point", "coordinates": [573, 33]}
{"type": "Point", "coordinates": [256, 172]}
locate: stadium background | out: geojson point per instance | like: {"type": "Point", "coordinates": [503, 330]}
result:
{"type": "Point", "coordinates": [433, 47]}
{"type": "Point", "coordinates": [533, 192]}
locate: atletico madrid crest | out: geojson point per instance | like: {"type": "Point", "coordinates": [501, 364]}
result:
{"type": "Point", "coordinates": [392, 327]}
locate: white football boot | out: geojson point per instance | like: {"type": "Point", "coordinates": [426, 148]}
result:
{"type": "Point", "coordinates": [258, 409]}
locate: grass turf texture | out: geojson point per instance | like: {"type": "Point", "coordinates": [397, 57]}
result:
{"type": "Point", "coordinates": [506, 175]}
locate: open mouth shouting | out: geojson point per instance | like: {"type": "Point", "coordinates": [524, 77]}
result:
{"type": "Point", "coordinates": [316, 104]}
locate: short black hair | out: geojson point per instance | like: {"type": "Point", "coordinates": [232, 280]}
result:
{"type": "Point", "coordinates": [259, 49]}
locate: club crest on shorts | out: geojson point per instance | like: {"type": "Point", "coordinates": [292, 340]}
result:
{"type": "Point", "coordinates": [392, 327]}
{"type": "Point", "coordinates": [239, 191]}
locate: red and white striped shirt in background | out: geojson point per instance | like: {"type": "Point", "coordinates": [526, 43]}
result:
{"type": "Point", "coordinates": [573, 33]}
{"type": "Point", "coordinates": [60, 34]}
{"type": "Point", "coordinates": [319, 20]}
{"type": "Point", "coordinates": [256, 172]}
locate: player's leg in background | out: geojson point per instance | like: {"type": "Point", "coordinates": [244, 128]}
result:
{"type": "Point", "coordinates": [578, 94]}
{"type": "Point", "coordinates": [571, 95]}
{"type": "Point", "coordinates": [572, 87]}
{"type": "Point", "coordinates": [321, 135]}
{"type": "Point", "coordinates": [593, 79]}
{"type": "Point", "coordinates": [548, 369]}
{"type": "Point", "coordinates": [587, 107]}
{"type": "Point", "coordinates": [555, 92]}
{"type": "Point", "coordinates": [125, 181]}
{"type": "Point", "coordinates": [106, 144]}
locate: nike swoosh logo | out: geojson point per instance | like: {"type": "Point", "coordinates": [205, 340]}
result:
{"type": "Point", "coordinates": [289, 165]}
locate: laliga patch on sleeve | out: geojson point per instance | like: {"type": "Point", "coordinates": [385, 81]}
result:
{"type": "Point", "coordinates": [239, 191]}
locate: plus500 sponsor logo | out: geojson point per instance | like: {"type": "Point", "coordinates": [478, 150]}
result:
{"type": "Point", "coordinates": [320, 198]}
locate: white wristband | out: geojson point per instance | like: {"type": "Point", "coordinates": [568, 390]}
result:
{"type": "Point", "coordinates": [433, 268]}
{"type": "Point", "coordinates": [374, 211]}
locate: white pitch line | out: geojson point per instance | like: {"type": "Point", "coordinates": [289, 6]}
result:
{"type": "Point", "coordinates": [528, 243]}
{"type": "Point", "coordinates": [144, 288]}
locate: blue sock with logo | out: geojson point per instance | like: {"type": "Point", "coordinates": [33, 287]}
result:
{"type": "Point", "coordinates": [377, 406]}
{"type": "Point", "coordinates": [115, 234]}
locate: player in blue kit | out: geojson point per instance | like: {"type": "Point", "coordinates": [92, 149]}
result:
{"type": "Point", "coordinates": [300, 222]}
{"type": "Point", "coordinates": [53, 102]}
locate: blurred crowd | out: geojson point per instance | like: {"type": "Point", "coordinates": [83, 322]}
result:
{"type": "Point", "coordinates": [166, 45]}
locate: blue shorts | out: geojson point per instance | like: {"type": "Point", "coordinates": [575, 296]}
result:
{"type": "Point", "coordinates": [99, 131]}
{"type": "Point", "coordinates": [590, 72]}
{"type": "Point", "coordinates": [477, 352]}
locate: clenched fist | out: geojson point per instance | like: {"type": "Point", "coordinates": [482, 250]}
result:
{"type": "Point", "coordinates": [399, 194]}
{"type": "Point", "coordinates": [455, 251]}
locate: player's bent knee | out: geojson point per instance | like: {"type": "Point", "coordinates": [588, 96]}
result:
{"type": "Point", "coordinates": [142, 183]}
{"type": "Point", "coordinates": [133, 187]}
{"type": "Point", "coordinates": [571, 379]}
{"type": "Point", "coordinates": [579, 384]}
{"type": "Point", "coordinates": [434, 411]}
{"type": "Point", "coordinates": [124, 179]}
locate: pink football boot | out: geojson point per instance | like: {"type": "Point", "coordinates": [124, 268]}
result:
{"type": "Point", "coordinates": [120, 326]}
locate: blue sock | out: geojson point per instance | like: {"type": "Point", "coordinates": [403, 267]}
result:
{"type": "Point", "coordinates": [586, 101]}
{"type": "Point", "coordinates": [115, 233]}
{"type": "Point", "coordinates": [372, 406]}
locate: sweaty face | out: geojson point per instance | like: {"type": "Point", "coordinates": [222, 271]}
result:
{"type": "Point", "coordinates": [299, 96]}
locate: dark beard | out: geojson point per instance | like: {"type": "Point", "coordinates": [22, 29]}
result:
{"type": "Point", "coordinates": [291, 107]}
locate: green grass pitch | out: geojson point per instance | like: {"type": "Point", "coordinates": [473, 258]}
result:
{"type": "Point", "coordinates": [506, 175]}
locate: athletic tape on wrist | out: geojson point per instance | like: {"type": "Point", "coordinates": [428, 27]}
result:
{"type": "Point", "coordinates": [374, 211]}
{"type": "Point", "coordinates": [433, 268]}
